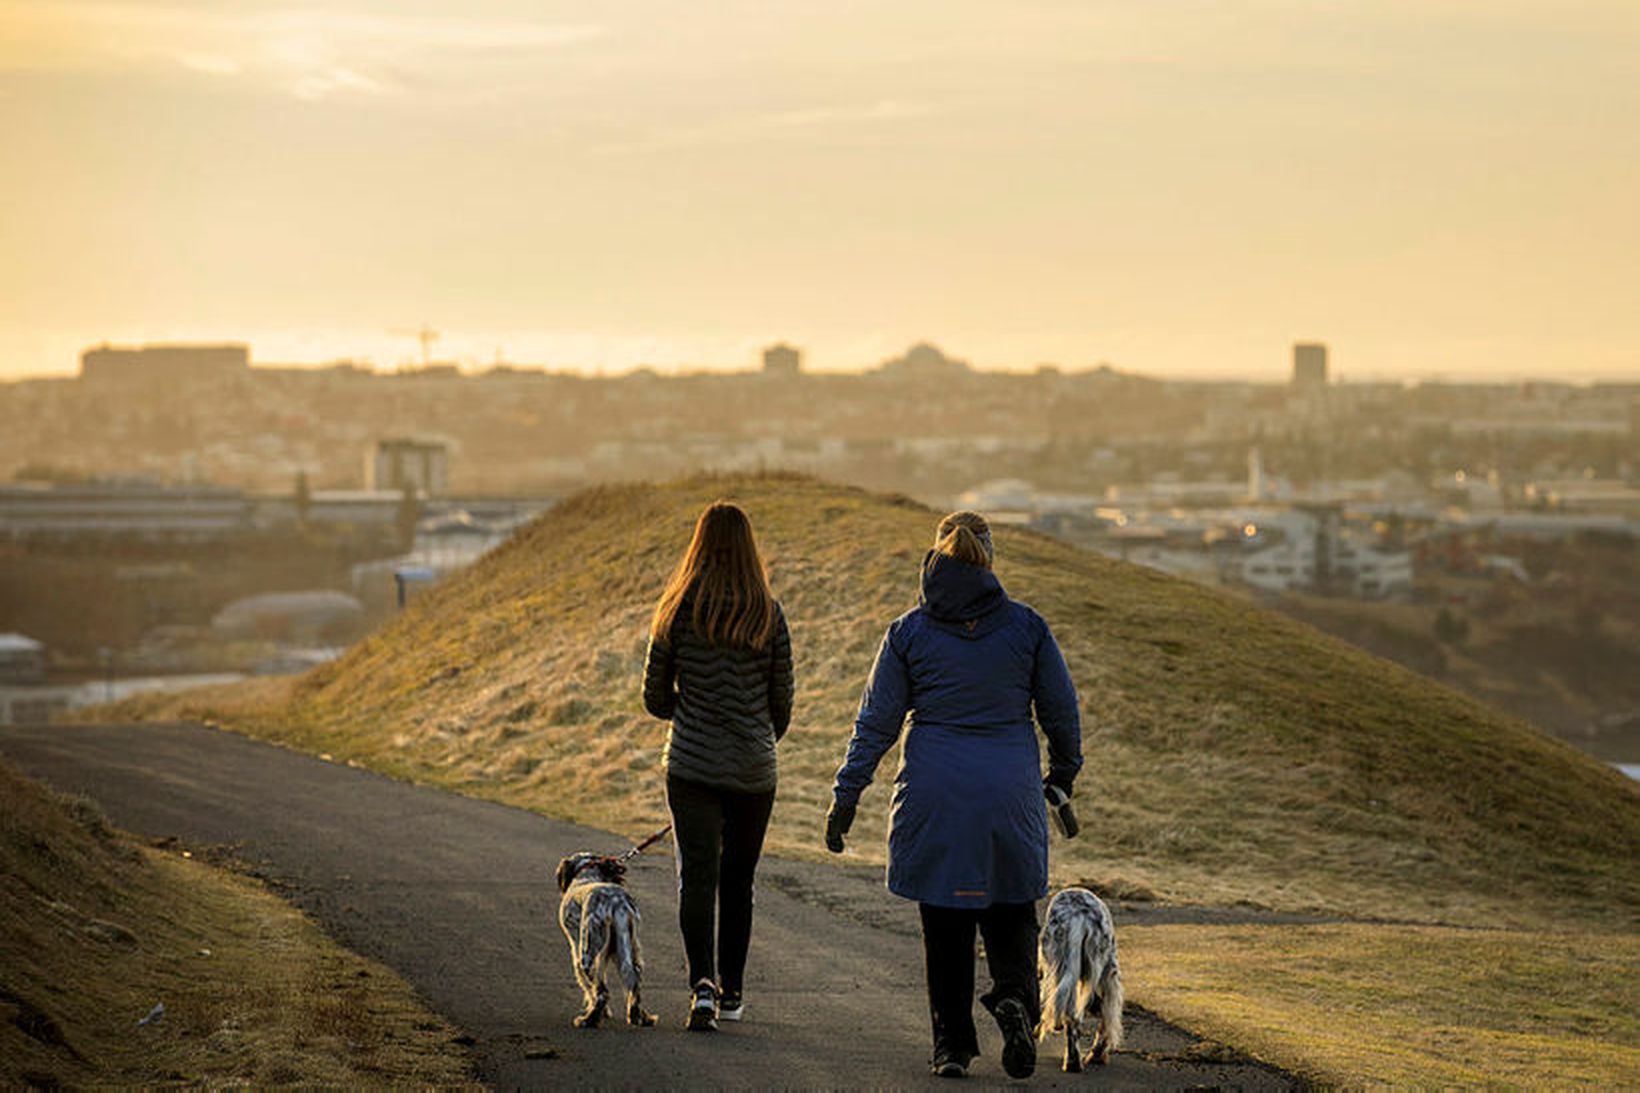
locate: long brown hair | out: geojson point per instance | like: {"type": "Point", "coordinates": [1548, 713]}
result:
{"type": "Point", "coordinates": [733, 603]}
{"type": "Point", "coordinates": [964, 536]}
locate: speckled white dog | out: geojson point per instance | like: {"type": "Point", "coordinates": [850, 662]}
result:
{"type": "Point", "coordinates": [1076, 956]}
{"type": "Point", "coordinates": [601, 920]}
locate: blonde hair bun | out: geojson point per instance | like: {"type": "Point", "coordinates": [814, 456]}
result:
{"type": "Point", "coordinates": [966, 537]}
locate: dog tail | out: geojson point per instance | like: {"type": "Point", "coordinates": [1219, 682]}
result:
{"type": "Point", "coordinates": [1110, 1004]}
{"type": "Point", "coordinates": [1061, 970]}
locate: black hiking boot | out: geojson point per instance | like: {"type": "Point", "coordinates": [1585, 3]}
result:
{"type": "Point", "coordinates": [1018, 1045]}
{"type": "Point", "coordinates": [949, 1064]}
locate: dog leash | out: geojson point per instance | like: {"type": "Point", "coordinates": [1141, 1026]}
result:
{"type": "Point", "coordinates": [645, 845]}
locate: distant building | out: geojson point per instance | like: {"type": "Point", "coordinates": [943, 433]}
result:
{"type": "Point", "coordinates": [67, 512]}
{"type": "Point", "coordinates": [1309, 366]}
{"type": "Point", "coordinates": [1584, 495]}
{"type": "Point", "coordinates": [1313, 552]}
{"type": "Point", "coordinates": [782, 360]}
{"type": "Point", "coordinates": [351, 508]}
{"type": "Point", "coordinates": [164, 364]}
{"type": "Point", "coordinates": [922, 361]}
{"type": "Point", "coordinates": [318, 615]}
{"type": "Point", "coordinates": [22, 659]}
{"type": "Point", "coordinates": [1255, 474]}
{"type": "Point", "coordinates": [400, 462]}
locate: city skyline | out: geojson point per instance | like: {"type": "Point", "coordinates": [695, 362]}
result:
{"type": "Point", "coordinates": [1432, 188]}
{"type": "Point", "coordinates": [399, 353]}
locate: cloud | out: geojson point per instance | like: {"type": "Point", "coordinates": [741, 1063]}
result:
{"type": "Point", "coordinates": [757, 126]}
{"type": "Point", "coordinates": [884, 110]}
{"type": "Point", "coordinates": [210, 64]}
{"type": "Point", "coordinates": [305, 52]}
{"type": "Point", "coordinates": [318, 85]}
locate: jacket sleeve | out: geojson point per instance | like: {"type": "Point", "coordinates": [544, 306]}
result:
{"type": "Point", "coordinates": [781, 685]}
{"type": "Point", "coordinates": [883, 707]}
{"type": "Point", "coordinates": [1054, 696]}
{"type": "Point", "coordinates": [660, 677]}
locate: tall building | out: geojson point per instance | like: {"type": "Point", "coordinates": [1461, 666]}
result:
{"type": "Point", "coordinates": [782, 360]}
{"type": "Point", "coordinates": [1309, 366]}
{"type": "Point", "coordinates": [167, 364]}
{"type": "Point", "coordinates": [1255, 474]}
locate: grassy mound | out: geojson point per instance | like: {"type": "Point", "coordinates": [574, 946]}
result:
{"type": "Point", "coordinates": [1424, 1007]}
{"type": "Point", "coordinates": [97, 929]}
{"type": "Point", "coordinates": [1233, 755]}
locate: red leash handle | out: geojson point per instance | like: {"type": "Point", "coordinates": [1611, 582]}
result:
{"type": "Point", "coordinates": [646, 844]}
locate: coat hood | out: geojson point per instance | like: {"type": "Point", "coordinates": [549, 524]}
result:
{"type": "Point", "coordinates": [964, 599]}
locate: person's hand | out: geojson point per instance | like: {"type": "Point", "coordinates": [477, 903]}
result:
{"type": "Point", "coordinates": [839, 819]}
{"type": "Point", "coordinates": [1058, 796]}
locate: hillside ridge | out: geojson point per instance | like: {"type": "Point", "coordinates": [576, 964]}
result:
{"type": "Point", "coordinates": [1233, 755]}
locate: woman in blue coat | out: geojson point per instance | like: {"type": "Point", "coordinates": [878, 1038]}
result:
{"type": "Point", "coordinates": [968, 835]}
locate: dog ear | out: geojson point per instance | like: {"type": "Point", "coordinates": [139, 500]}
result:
{"type": "Point", "coordinates": [566, 873]}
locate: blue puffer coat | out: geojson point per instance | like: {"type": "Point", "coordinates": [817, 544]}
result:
{"type": "Point", "coordinates": [968, 826]}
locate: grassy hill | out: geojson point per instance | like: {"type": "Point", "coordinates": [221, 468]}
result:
{"type": "Point", "coordinates": [96, 928]}
{"type": "Point", "coordinates": [1234, 756]}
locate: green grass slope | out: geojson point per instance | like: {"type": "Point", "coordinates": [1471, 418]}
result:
{"type": "Point", "coordinates": [1233, 755]}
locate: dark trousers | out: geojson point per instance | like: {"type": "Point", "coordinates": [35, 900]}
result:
{"type": "Point", "coordinates": [718, 835]}
{"type": "Point", "coordinates": [1010, 932]}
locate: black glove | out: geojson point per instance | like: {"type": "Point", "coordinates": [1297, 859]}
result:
{"type": "Point", "coordinates": [1058, 796]}
{"type": "Point", "coordinates": [839, 818]}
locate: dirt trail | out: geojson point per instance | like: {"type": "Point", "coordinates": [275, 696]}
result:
{"type": "Point", "coordinates": [456, 894]}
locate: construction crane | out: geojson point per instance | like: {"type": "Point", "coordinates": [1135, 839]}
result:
{"type": "Point", "coordinates": [426, 335]}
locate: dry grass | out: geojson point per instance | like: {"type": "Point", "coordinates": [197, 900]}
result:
{"type": "Point", "coordinates": [97, 929]}
{"type": "Point", "coordinates": [1427, 1007]}
{"type": "Point", "coordinates": [1234, 755]}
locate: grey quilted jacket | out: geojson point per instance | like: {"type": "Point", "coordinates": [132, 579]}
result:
{"type": "Point", "coordinates": [727, 705]}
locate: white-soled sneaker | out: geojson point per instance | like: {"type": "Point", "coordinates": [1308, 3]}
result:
{"type": "Point", "coordinates": [730, 1006]}
{"type": "Point", "coordinates": [703, 1010]}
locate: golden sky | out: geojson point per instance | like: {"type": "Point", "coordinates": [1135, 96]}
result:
{"type": "Point", "coordinates": [1433, 187]}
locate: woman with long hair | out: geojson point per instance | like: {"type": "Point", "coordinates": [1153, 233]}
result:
{"type": "Point", "coordinates": [720, 669]}
{"type": "Point", "coordinates": [968, 834]}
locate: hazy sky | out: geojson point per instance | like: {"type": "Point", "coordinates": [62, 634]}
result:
{"type": "Point", "coordinates": [1431, 186]}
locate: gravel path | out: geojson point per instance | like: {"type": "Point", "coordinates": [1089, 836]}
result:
{"type": "Point", "coordinates": [457, 895]}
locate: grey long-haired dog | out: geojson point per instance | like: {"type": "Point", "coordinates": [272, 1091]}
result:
{"type": "Point", "coordinates": [1076, 955]}
{"type": "Point", "coordinates": [601, 920]}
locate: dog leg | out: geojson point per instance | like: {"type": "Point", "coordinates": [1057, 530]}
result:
{"type": "Point", "coordinates": [1099, 1051]}
{"type": "Point", "coordinates": [597, 1009]}
{"type": "Point", "coordinates": [593, 996]}
{"type": "Point", "coordinates": [1073, 1061]}
{"type": "Point", "coordinates": [636, 1014]}
{"type": "Point", "coordinates": [632, 973]}
{"type": "Point", "coordinates": [1110, 1015]}
{"type": "Point", "coordinates": [590, 970]}
{"type": "Point", "coordinates": [629, 959]}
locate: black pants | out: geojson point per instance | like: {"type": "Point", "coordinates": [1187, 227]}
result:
{"type": "Point", "coordinates": [718, 834]}
{"type": "Point", "coordinates": [1010, 932]}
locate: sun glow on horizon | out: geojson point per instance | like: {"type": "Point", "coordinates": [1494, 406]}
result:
{"type": "Point", "coordinates": [1433, 188]}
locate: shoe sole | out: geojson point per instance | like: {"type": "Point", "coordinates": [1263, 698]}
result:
{"type": "Point", "coordinates": [729, 1015]}
{"type": "Point", "coordinates": [951, 1070]}
{"type": "Point", "coordinates": [1018, 1046]}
